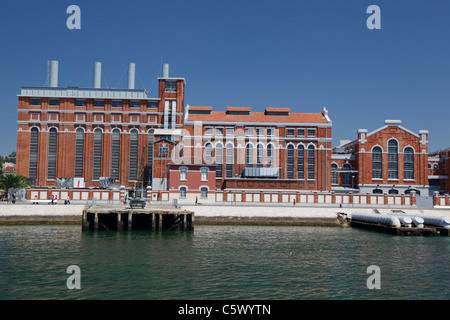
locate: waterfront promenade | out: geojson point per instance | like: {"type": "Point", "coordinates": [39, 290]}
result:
{"type": "Point", "coordinates": [25, 213]}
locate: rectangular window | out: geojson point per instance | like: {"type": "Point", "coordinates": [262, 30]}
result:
{"type": "Point", "coordinates": [171, 85]}
{"type": "Point", "coordinates": [117, 103]}
{"type": "Point", "coordinates": [204, 192]}
{"type": "Point", "coordinates": [204, 176]}
{"type": "Point", "coordinates": [183, 175]}
{"type": "Point", "coordinates": [300, 132]}
{"type": "Point", "coordinates": [35, 116]}
{"type": "Point", "coordinates": [208, 131]}
{"type": "Point", "coordinates": [135, 104]}
{"type": "Point", "coordinates": [249, 131]}
{"type": "Point", "coordinates": [230, 131]}
{"type": "Point", "coordinates": [53, 102]}
{"type": "Point", "coordinates": [81, 103]}
{"type": "Point", "coordinates": [35, 101]}
{"type": "Point", "coordinates": [270, 131]}
{"type": "Point", "coordinates": [164, 149]}
{"type": "Point", "coordinates": [99, 103]}
{"type": "Point", "coordinates": [153, 104]}
{"type": "Point", "coordinates": [259, 131]}
{"type": "Point", "coordinates": [290, 132]}
{"type": "Point", "coordinates": [183, 193]}
{"type": "Point", "coordinates": [311, 132]}
{"type": "Point", "coordinates": [219, 131]}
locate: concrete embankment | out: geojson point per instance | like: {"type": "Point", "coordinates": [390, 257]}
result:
{"type": "Point", "coordinates": [215, 214]}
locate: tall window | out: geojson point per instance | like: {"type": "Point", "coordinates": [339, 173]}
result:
{"type": "Point", "coordinates": [219, 155]}
{"type": "Point", "coordinates": [346, 176]}
{"type": "Point", "coordinates": [301, 162]}
{"type": "Point", "coordinates": [409, 163]}
{"type": "Point", "coordinates": [52, 143]}
{"type": "Point", "coordinates": [79, 152]}
{"type": "Point", "coordinates": [290, 161]}
{"type": "Point", "coordinates": [97, 166]}
{"type": "Point", "coordinates": [392, 159]}
{"type": "Point", "coordinates": [208, 153]}
{"type": "Point", "coordinates": [334, 174]}
{"type": "Point", "coordinates": [311, 162]}
{"type": "Point", "coordinates": [115, 154]}
{"type": "Point", "coordinates": [249, 156]}
{"type": "Point", "coordinates": [150, 141]}
{"type": "Point", "coordinates": [203, 192]}
{"type": "Point", "coordinates": [269, 155]}
{"type": "Point", "coordinates": [377, 163]}
{"type": "Point", "coordinates": [133, 154]}
{"type": "Point", "coordinates": [183, 173]}
{"type": "Point", "coordinates": [183, 193]}
{"type": "Point", "coordinates": [204, 174]}
{"type": "Point", "coordinates": [259, 155]}
{"type": "Point", "coordinates": [34, 146]}
{"type": "Point", "coordinates": [229, 161]}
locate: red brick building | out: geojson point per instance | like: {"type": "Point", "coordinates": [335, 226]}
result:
{"type": "Point", "coordinates": [439, 171]}
{"type": "Point", "coordinates": [391, 159]}
{"type": "Point", "coordinates": [90, 133]}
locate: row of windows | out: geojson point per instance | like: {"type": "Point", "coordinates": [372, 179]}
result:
{"type": "Point", "coordinates": [258, 131]}
{"type": "Point", "coordinates": [203, 192]}
{"type": "Point", "coordinates": [97, 154]}
{"type": "Point", "coordinates": [99, 103]}
{"type": "Point", "coordinates": [377, 162]}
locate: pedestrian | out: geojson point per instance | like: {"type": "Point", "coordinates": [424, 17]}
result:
{"type": "Point", "coordinates": [14, 198]}
{"type": "Point", "coordinates": [68, 200]}
{"type": "Point", "coordinates": [53, 199]}
{"type": "Point", "coordinates": [56, 199]}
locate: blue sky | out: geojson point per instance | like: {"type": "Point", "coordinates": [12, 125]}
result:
{"type": "Point", "coordinates": [298, 54]}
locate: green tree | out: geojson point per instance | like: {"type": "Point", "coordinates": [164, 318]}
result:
{"type": "Point", "coordinates": [14, 181]}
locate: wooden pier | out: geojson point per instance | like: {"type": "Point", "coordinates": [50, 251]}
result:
{"type": "Point", "coordinates": [121, 217]}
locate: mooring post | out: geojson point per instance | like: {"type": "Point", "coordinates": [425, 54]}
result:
{"type": "Point", "coordinates": [160, 221]}
{"type": "Point", "coordinates": [130, 220]}
{"type": "Point", "coordinates": [153, 222]}
{"type": "Point", "coordinates": [119, 222]}
{"type": "Point", "coordinates": [96, 221]}
{"type": "Point", "coordinates": [185, 227]}
{"type": "Point", "coordinates": [85, 223]}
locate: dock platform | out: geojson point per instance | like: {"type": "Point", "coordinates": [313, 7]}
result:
{"type": "Point", "coordinates": [121, 217]}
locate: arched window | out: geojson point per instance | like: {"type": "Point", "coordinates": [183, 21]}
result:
{"type": "Point", "coordinates": [269, 155]}
{"type": "Point", "coordinates": [334, 175]}
{"type": "Point", "coordinates": [204, 174]}
{"type": "Point", "coordinates": [183, 173]}
{"type": "Point", "coordinates": [229, 160]}
{"type": "Point", "coordinates": [311, 162]}
{"type": "Point", "coordinates": [134, 143]}
{"type": "Point", "coordinates": [377, 191]}
{"type": "Point", "coordinates": [115, 154]}
{"type": "Point", "coordinates": [290, 161]}
{"type": "Point", "coordinates": [259, 155]}
{"type": "Point", "coordinates": [34, 146]}
{"type": "Point", "coordinates": [203, 192]}
{"type": "Point", "coordinates": [435, 166]}
{"type": "Point", "coordinates": [377, 163]}
{"type": "Point", "coordinates": [79, 152]}
{"type": "Point", "coordinates": [183, 192]}
{"type": "Point", "coordinates": [301, 162]}
{"type": "Point", "coordinates": [408, 156]}
{"type": "Point", "coordinates": [346, 174]}
{"type": "Point", "coordinates": [393, 191]}
{"type": "Point", "coordinates": [97, 165]}
{"type": "Point", "coordinates": [52, 144]}
{"type": "Point", "coordinates": [219, 161]}
{"type": "Point", "coordinates": [392, 159]}
{"type": "Point", "coordinates": [249, 155]}
{"type": "Point", "coordinates": [208, 153]}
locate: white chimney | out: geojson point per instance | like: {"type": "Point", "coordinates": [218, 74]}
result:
{"type": "Point", "coordinates": [53, 74]}
{"type": "Point", "coordinates": [97, 75]}
{"type": "Point", "coordinates": [165, 70]}
{"type": "Point", "coordinates": [131, 73]}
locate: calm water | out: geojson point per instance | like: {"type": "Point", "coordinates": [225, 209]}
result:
{"type": "Point", "coordinates": [221, 262]}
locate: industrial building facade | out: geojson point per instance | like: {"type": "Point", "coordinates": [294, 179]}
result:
{"type": "Point", "coordinates": [69, 137]}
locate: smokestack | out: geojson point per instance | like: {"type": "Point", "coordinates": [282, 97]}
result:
{"type": "Point", "coordinates": [165, 70]}
{"type": "Point", "coordinates": [97, 75]}
{"type": "Point", "coordinates": [53, 81]}
{"type": "Point", "coordinates": [131, 72]}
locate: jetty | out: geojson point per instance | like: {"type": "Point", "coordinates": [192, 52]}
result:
{"type": "Point", "coordinates": [400, 224]}
{"type": "Point", "coordinates": [121, 217]}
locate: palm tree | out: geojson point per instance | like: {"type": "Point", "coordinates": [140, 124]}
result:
{"type": "Point", "coordinates": [13, 181]}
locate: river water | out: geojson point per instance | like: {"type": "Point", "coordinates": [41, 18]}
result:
{"type": "Point", "coordinates": [221, 262]}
